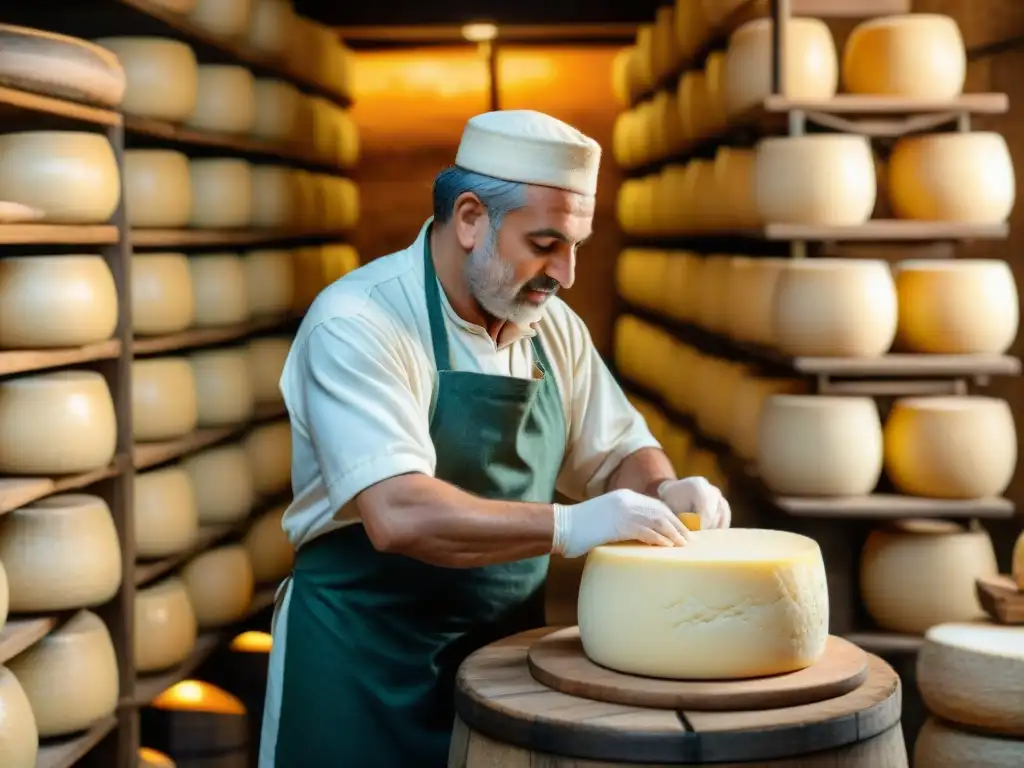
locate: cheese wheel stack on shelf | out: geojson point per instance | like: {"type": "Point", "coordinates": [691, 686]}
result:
{"type": "Point", "coordinates": [165, 626]}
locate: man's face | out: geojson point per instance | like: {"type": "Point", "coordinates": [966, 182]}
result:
{"type": "Point", "coordinates": [534, 255]}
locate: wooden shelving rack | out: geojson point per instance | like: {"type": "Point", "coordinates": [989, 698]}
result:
{"type": "Point", "coordinates": [114, 742]}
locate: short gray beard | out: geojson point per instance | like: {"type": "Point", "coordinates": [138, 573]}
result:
{"type": "Point", "coordinates": [491, 283]}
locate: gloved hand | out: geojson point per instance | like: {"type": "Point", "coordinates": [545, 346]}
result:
{"type": "Point", "coordinates": [696, 494]}
{"type": "Point", "coordinates": [617, 516]}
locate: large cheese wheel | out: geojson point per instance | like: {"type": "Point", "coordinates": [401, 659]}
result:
{"type": "Point", "coordinates": [277, 109]}
{"type": "Point", "coordinates": [274, 196]}
{"type": "Point", "coordinates": [272, 27]}
{"type": "Point", "coordinates": [826, 179]}
{"type": "Point", "coordinates": [224, 18]}
{"type": "Point", "coordinates": [158, 192]}
{"type": "Point", "coordinates": [220, 585]}
{"type": "Point", "coordinates": [338, 260]}
{"type": "Point", "coordinates": [973, 674]}
{"type": "Point", "coordinates": [56, 423]}
{"type": "Point", "coordinates": [919, 573]}
{"type": "Point", "coordinates": [821, 308]}
{"type": "Point", "coordinates": [162, 76]}
{"type": "Point", "coordinates": [164, 402]}
{"type": "Point", "coordinates": [950, 447]}
{"type": "Point", "coordinates": [70, 176]}
{"type": "Point", "coordinates": [812, 64]}
{"type": "Point", "coordinates": [219, 286]}
{"type": "Point", "coordinates": [733, 603]}
{"type": "Point", "coordinates": [752, 299]}
{"type": "Point", "coordinates": [271, 553]}
{"type": "Point", "coordinates": [942, 745]}
{"type": "Point", "coordinates": [226, 100]}
{"type": "Point", "coordinates": [745, 410]}
{"type": "Point", "coordinates": [734, 179]}
{"type": "Point", "coordinates": [811, 445]}
{"type": "Point", "coordinates": [266, 363]}
{"type": "Point", "coordinates": [269, 448]}
{"type": "Point", "coordinates": [1017, 565]}
{"type": "Point", "coordinates": [70, 676]}
{"type": "Point", "coordinates": [221, 193]}
{"type": "Point", "coordinates": [223, 481]}
{"type": "Point", "coordinates": [639, 276]}
{"type": "Point", "coordinates": [56, 301]}
{"type": "Point", "coordinates": [270, 282]}
{"type": "Point", "coordinates": [59, 553]}
{"type": "Point", "coordinates": [914, 55]}
{"type": "Point", "coordinates": [963, 177]}
{"type": "Point", "coordinates": [224, 389]}
{"type": "Point", "coordinates": [165, 510]}
{"type": "Point", "coordinates": [165, 626]}
{"type": "Point", "coordinates": [956, 306]}
{"type": "Point", "coordinates": [19, 738]}
{"type": "Point", "coordinates": [162, 297]}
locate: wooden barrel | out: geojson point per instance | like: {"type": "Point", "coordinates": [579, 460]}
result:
{"type": "Point", "coordinates": [506, 719]}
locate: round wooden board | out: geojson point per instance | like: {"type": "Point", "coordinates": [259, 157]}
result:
{"type": "Point", "coordinates": [557, 660]}
{"type": "Point", "coordinates": [497, 696]}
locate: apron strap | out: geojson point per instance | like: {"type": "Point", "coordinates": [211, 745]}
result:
{"type": "Point", "coordinates": [438, 332]}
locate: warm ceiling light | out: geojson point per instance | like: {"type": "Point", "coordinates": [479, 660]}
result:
{"type": "Point", "coordinates": [479, 33]}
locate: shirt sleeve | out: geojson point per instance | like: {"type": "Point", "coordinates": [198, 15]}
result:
{"type": "Point", "coordinates": [366, 420]}
{"type": "Point", "coordinates": [604, 427]}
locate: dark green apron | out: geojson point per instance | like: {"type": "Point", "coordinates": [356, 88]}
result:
{"type": "Point", "coordinates": [375, 640]}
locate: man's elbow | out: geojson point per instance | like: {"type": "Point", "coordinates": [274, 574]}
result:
{"type": "Point", "coordinates": [388, 525]}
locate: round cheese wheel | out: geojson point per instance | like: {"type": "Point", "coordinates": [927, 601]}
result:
{"type": "Point", "coordinates": [269, 448]}
{"type": "Point", "coordinates": [269, 550]}
{"type": "Point", "coordinates": [266, 357]}
{"type": "Point", "coordinates": [164, 626]}
{"type": "Point", "coordinates": [962, 447]}
{"type": "Point", "coordinates": [973, 674]}
{"type": "Point", "coordinates": [811, 445]}
{"type": "Point", "coordinates": [164, 403]}
{"type": "Point", "coordinates": [752, 286]}
{"type": "Point", "coordinates": [220, 585]}
{"type": "Point", "coordinates": [913, 55]}
{"type": "Point", "coordinates": [348, 204]}
{"type": "Point", "coordinates": [220, 288]}
{"type": "Point", "coordinates": [70, 676]}
{"type": "Point", "coordinates": [826, 179]}
{"type": "Point", "coordinates": [221, 193]}
{"type": "Point", "coordinates": [224, 18]}
{"type": "Point", "coordinates": [348, 148]}
{"type": "Point", "coordinates": [744, 411]}
{"type": "Point", "coordinates": [712, 310]}
{"type": "Point", "coordinates": [276, 109]}
{"type": "Point", "coordinates": [639, 276]}
{"type": "Point", "coordinates": [941, 745]}
{"type": "Point", "coordinates": [56, 301]}
{"type": "Point", "coordinates": [162, 76]}
{"type": "Point", "coordinates": [338, 260]}
{"type": "Point", "coordinates": [19, 738]}
{"type": "Point", "coordinates": [964, 177]}
{"type": "Point", "coordinates": [157, 188]}
{"type": "Point", "coordinates": [58, 423]}
{"type": "Point", "coordinates": [734, 179]}
{"type": "Point", "coordinates": [733, 603]}
{"type": "Point", "coordinates": [224, 485]}
{"type": "Point", "coordinates": [919, 573]}
{"type": "Point", "coordinates": [270, 282]}
{"type": "Point", "coordinates": [1017, 565]}
{"type": "Point", "coordinates": [272, 27]}
{"type": "Point", "coordinates": [956, 306]}
{"type": "Point", "coordinates": [811, 64]}
{"type": "Point", "coordinates": [274, 195]}
{"type": "Point", "coordinates": [226, 100]}
{"type": "Point", "coordinates": [165, 510]}
{"type": "Point", "coordinates": [150, 758]}
{"type": "Point", "coordinates": [70, 176]}
{"type": "Point", "coordinates": [162, 297]}
{"type": "Point", "coordinates": [59, 553]}
{"type": "Point", "coordinates": [819, 308]}
{"type": "Point", "coordinates": [224, 390]}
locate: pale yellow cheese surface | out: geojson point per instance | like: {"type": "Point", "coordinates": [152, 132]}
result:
{"type": "Point", "coordinates": [220, 585]}
{"type": "Point", "coordinates": [162, 76]}
{"type": "Point", "coordinates": [165, 626]}
{"type": "Point", "coordinates": [19, 740]}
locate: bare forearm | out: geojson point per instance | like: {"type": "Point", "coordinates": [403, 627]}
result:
{"type": "Point", "coordinates": [642, 471]}
{"type": "Point", "coordinates": [433, 521]}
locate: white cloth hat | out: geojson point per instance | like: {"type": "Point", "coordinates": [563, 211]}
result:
{"type": "Point", "coordinates": [530, 147]}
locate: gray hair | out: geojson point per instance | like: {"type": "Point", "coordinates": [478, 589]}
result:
{"type": "Point", "coordinates": [499, 197]}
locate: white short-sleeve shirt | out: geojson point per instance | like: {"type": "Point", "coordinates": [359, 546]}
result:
{"type": "Point", "coordinates": [360, 375]}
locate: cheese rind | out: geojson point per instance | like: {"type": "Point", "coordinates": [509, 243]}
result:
{"type": "Point", "coordinates": [163, 300]}
{"type": "Point", "coordinates": [220, 288]}
{"type": "Point", "coordinates": [220, 585]}
{"type": "Point", "coordinates": [162, 76]}
{"type": "Point", "coordinates": [19, 739]}
{"type": "Point", "coordinates": [731, 604]}
{"type": "Point", "coordinates": [164, 398]}
{"type": "Point", "coordinates": [158, 191]}
{"type": "Point", "coordinates": [940, 745]}
{"type": "Point", "coordinates": [165, 626]}
{"type": "Point", "coordinates": [223, 483]}
{"type": "Point", "coordinates": [224, 389]}
{"type": "Point", "coordinates": [166, 519]}
{"type": "Point", "coordinates": [1017, 566]}
{"type": "Point", "coordinates": [270, 551]}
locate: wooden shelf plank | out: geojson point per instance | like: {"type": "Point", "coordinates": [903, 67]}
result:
{"type": "Point", "coordinates": [864, 106]}
{"type": "Point", "coordinates": [897, 365]}
{"type": "Point", "coordinates": [20, 634]}
{"type": "Point", "coordinates": [58, 234]}
{"type": "Point", "coordinates": [186, 238]}
{"type": "Point", "coordinates": [887, 230]}
{"type": "Point", "coordinates": [209, 535]}
{"type": "Point", "coordinates": [50, 105]}
{"type": "Point", "coordinates": [27, 360]}
{"type": "Point", "coordinates": [150, 454]}
{"type": "Point", "coordinates": [16, 492]}
{"type": "Point", "coordinates": [883, 506]}
{"type": "Point", "coordinates": [66, 752]}
{"type": "Point", "coordinates": [203, 337]}
{"type": "Point", "coordinates": [886, 642]}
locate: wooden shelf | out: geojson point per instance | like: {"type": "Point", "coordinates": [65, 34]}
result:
{"type": "Point", "coordinates": [26, 101]}
{"type": "Point", "coordinates": [886, 230]}
{"type": "Point", "coordinates": [881, 643]}
{"type": "Point", "coordinates": [28, 360]}
{"type": "Point", "coordinates": [66, 752]}
{"type": "Point", "coordinates": [20, 634]}
{"type": "Point", "coordinates": [198, 238]}
{"type": "Point", "coordinates": [883, 506]}
{"type": "Point", "coordinates": [869, 106]}
{"type": "Point", "coordinates": [204, 337]}
{"type": "Point", "coordinates": [58, 234]}
{"type": "Point", "coordinates": [209, 535]}
{"type": "Point", "coordinates": [16, 492]}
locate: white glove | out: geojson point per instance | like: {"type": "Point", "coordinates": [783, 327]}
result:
{"type": "Point", "coordinates": [696, 494]}
{"type": "Point", "coordinates": [617, 516]}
